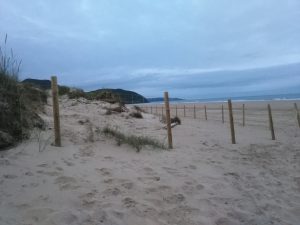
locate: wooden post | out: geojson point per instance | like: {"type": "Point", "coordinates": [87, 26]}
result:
{"type": "Point", "coordinates": [222, 113]}
{"type": "Point", "coordinates": [205, 112]}
{"type": "Point", "coordinates": [57, 140]}
{"type": "Point", "coordinates": [243, 115]}
{"type": "Point", "coordinates": [176, 109]}
{"type": "Point", "coordinates": [156, 109]}
{"type": "Point", "coordinates": [183, 110]}
{"type": "Point", "coordinates": [271, 122]}
{"type": "Point", "coordinates": [162, 111]}
{"type": "Point", "coordinates": [151, 109]}
{"type": "Point", "coordinates": [231, 122]}
{"type": "Point", "coordinates": [194, 112]}
{"type": "Point", "coordinates": [168, 120]}
{"type": "Point", "coordinates": [297, 113]}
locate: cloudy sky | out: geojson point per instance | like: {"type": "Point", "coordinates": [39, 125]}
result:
{"type": "Point", "coordinates": [192, 48]}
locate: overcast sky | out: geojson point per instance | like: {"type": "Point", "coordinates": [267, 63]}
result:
{"type": "Point", "coordinates": [192, 48]}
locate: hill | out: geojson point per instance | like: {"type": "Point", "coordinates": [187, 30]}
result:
{"type": "Point", "coordinates": [125, 96]}
{"type": "Point", "coordinates": [43, 84]}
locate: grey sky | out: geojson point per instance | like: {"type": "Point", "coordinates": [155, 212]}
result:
{"type": "Point", "coordinates": [192, 48]}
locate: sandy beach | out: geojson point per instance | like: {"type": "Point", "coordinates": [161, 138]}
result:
{"type": "Point", "coordinates": [204, 180]}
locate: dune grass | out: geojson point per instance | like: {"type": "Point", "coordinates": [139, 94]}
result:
{"type": "Point", "coordinates": [136, 142]}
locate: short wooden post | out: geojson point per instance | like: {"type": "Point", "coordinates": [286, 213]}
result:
{"type": "Point", "coordinates": [271, 122]}
{"type": "Point", "coordinates": [57, 139]}
{"type": "Point", "coordinates": [297, 113]}
{"type": "Point", "coordinates": [231, 122]}
{"type": "Point", "coordinates": [162, 111]}
{"type": "Point", "coordinates": [183, 110]}
{"type": "Point", "coordinates": [156, 109]}
{"type": "Point", "coordinates": [151, 109]}
{"type": "Point", "coordinates": [168, 120]}
{"type": "Point", "coordinates": [243, 115]}
{"type": "Point", "coordinates": [222, 113]}
{"type": "Point", "coordinates": [205, 113]}
{"type": "Point", "coordinates": [176, 109]}
{"type": "Point", "coordinates": [194, 112]}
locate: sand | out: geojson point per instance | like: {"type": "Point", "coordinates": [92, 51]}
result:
{"type": "Point", "coordinates": [203, 180]}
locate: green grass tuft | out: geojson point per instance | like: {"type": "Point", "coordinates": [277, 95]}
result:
{"type": "Point", "coordinates": [135, 141]}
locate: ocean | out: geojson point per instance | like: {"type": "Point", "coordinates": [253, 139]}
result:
{"type": "Point", "coordinates": [241, 99]}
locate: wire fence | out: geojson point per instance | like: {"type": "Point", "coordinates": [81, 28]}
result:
{"type": "Point", "coordinates": [284, 116]}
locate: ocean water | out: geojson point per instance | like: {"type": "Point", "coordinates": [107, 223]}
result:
{"type": "Point", "coordinates": [241, 99]}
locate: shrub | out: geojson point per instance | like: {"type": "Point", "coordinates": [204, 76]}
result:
{"type": "Point", "coordinates": [76, 93]}
{"type": "Point", "coordinates": [63, 90]}
{"type": "Point", "coordinates": [136, 115]}
{"type": "Point", "coordinates": [176, 119]}
{"type": "Point", "coordinates": [19, 103]}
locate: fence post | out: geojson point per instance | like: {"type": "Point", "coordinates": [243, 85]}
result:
{"type": "Point", "coordinates": [271, 122]}
{"type": "Point", "coordinates": [297, 113]}
{"type": "Point", "coordinates": [183, 110]}
{"type": "Point", "coordinates": [243, 115]}
{"type": "Point", "coordinates": [194, 112]}
{"type": "Point", "coordinates": [231, 122]}
{"type": "Point", "coordinates": [205, 112]}
{"type": "Point", "coordinates": [168, 120]}
{"type": "Point", "coordinates": [151, 109]}
{"type": "Point", "coordinates": [57, 140]}
{"type": "Point", "coordinates": [222, 113]}
{"type": "Point", "coordinates": [156, 109]}
{"type": "Point", "coordinates": [162, 111]}
{"type": "Point", "coordinates": [176, 110]}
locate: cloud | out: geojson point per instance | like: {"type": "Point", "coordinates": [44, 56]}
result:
{"type": "Point", "coordinates": [155, 45]}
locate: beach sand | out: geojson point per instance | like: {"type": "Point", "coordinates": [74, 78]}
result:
{"type": "Point", "coordinates": [204, 180]}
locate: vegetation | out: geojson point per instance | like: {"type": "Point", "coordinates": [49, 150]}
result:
{"type": "Point", "coordinates": [136, 115]}
{"type": "Point", "coordinates": [19, 103]}
{"type": "Point", "coordinates": [136, 142]}
{"type": "Point", "coordinates": [176, 119]}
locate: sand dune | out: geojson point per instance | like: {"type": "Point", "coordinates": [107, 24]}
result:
{"type": "Point", "coordinates": [203, 180]}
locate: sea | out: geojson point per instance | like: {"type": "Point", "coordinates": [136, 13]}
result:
{"type": "Point", "coordinates": [275, 97]}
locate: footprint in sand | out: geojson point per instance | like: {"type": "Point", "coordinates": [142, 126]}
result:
{"type": "Point", "coordinates": [88, 199]}
{"type": "Point", "coordinates": [49, 173]}
{"type": "Point", "coordinates": [86, 151]}
{"type": "Point", "coordinates": [9, 176]}
{"type": "Point", "coordinates": [127, 185]}
{"type": "Point", "coordinates": [66, 183]}
{"type": "Point", "coordinates": [148, 179]}
{"type": "Point", "coordinates": [108, 158]}
{"type": "Point", "coordinates": [104, 171]}
{"type": "Point", "coordinates": [112, 191]}
{"type": "Point", "coordinates": [129, 202]}
{"type": "Point", "coordinates": [68, 163]}
{"type": "Point", "coordinates": [174, 199]}
{"type": "Point", "coordinates": [4, 162]}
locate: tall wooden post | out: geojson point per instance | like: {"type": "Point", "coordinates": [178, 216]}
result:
{"type": "Point", "coordinates": [297, 113]}
{"type": "Point", "coordinates": [231, 122]}
{"type": "Point", "coordinates": [205, 112]}
{"type": "Point", "coordinates": [194, 112]}
{"type": "Point", "coordinates": [57, 140]}
{"type": "Point", "coordinates": [271, 122]}
{"type": "Point", "coordinates": [168, 120]}
{"type": "Point", "coordinates": [243, 115]}
{"type": "Point", "coordinates": [183, 110]}
{"type": "Point", "coordinates": [176, 109]}
{"type": "Point", "coordinates": [222, 113]}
